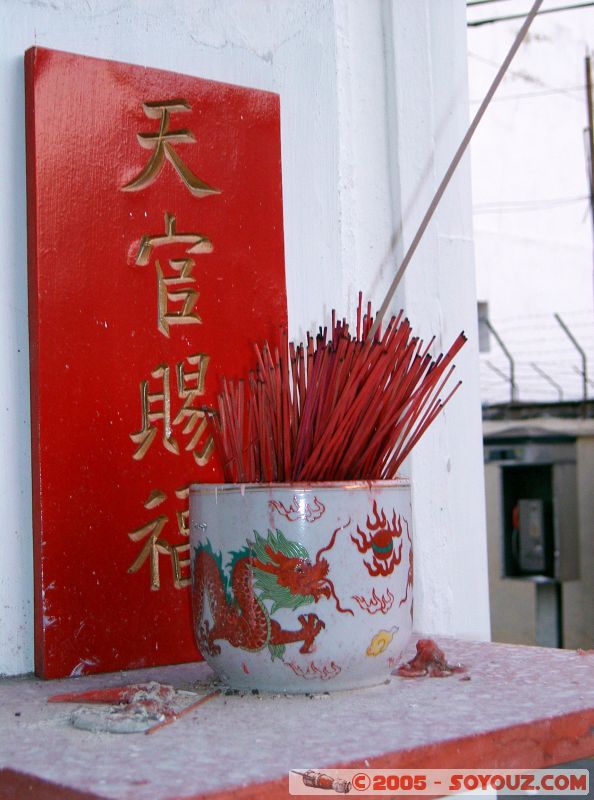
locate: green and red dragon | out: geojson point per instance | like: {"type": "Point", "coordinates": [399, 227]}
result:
{"type": "Point", "coordinates": [274, 572]}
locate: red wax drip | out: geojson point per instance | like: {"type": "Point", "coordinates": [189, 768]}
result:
{"type": "Point", "coordinates": [430, 660]}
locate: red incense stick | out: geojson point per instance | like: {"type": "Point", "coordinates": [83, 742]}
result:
{"type": "Point", "coordinates": [340, 407]}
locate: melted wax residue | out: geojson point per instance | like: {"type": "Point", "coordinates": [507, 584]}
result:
{"type": "Point", "coordinates": [430, 660]}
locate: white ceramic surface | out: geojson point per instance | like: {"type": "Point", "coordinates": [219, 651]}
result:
{"type": "Point", "coordinates": [302, 587]}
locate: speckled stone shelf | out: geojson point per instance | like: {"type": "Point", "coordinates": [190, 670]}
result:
{"type": "Point", "coordinates": [522, 707]}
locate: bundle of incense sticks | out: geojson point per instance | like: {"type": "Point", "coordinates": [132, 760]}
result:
{"type": "Point", "coordinates": [340, 407]}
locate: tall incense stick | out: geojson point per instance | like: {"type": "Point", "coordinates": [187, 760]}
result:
{"type": "Point", "coordinates": [339, 407]}
{"type": "Point", "coordinates": [452, 168]}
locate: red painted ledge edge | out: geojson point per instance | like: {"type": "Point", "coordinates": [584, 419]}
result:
{"type": "Point", "coordinates": [541, 743]}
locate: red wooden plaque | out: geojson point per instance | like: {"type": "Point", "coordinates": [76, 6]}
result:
{"type": "Point", "coordinates": [155, 261]}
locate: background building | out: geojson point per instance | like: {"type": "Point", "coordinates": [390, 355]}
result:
{"type": "Point", "coordinates": [531, 200]}
{"type": "Point", "coordinates": [533, 242]}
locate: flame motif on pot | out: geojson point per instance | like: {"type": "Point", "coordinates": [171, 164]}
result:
{"type": "Point", "coordinates": [297, 510]}
{"type": "Point", "coordinates": [383, 603]}
{"type": "Point", "coordinates": [313, 670]}
{"type": "Point", "coordinates": [379, 539]}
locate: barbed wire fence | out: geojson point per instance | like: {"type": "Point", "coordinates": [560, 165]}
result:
{"type": "Point", "coordinates": [538, 358]}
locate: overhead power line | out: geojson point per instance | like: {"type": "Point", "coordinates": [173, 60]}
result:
{"type": "Point", "coordinates": [526, 77]}
{"type": "Point", "coordinates": [511, 206]}
{"type": "Point", "coordinates": [567, 90]}
{"type": "Point", "coordinates": [544, 315]}
{"type": "Point", "coordinates": [547, 201]}
{"type": "Point", "coordinates": [489, 20]}
{"type": "Point", "coordinates": [482, 2]}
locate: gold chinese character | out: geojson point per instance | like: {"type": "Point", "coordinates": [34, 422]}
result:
{"type": "Point", "coordinates": [188, 296]}
{"type": "Point", "coordinates": [199, 243]}
{"type": "Point", "coordinates": [174, 290]}
{"type": "Point", "coordinates": [156, 546]}
{"type": "Point", "coordinates": [156, 410]}
{"type": "Point", "coordinates": [183, 517]}
{"type": "Point", "coordinates": [151, 549]}
{"type": "Point", "coordinates": [162, 413]}
{"type": "Point", "coordinates": [195, 417]}
{"type": "Point", "coordinates": [180, 561]}
{"type": "Point", "coordinates": [162, 143]}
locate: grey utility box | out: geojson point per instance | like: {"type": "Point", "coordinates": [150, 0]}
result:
{"type": "Point", "coordinates": [539, 536]}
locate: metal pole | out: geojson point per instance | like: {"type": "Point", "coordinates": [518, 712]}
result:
{"type": "Point", "coordinates": [590, 132]}
{"type": "Point", "coordinates": [548, 378]}
{"type": "Point", "coordinates": [512, 366]}
{"type": "Point", "coordinates": [590, 128]}
{"type": "Point", "coordinates": [582, 353]}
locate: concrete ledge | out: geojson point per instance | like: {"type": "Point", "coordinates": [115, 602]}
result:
{"type": "Point", "coordinates": [514, 707]}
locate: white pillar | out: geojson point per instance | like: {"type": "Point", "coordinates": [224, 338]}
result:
{"type": "Point", "coordinates": [373, 104]}
{"type": "Point", "coordinates": [440, 298]}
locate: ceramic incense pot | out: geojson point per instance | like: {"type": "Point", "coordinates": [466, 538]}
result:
{"type": "Point", "coordinates": [303, 587]}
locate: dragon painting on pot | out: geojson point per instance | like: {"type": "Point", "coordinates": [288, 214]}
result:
{"type": "Point", "coordinates": [279, 612]}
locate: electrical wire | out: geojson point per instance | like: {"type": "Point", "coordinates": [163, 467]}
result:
{"type": "Point", "coordinates": [513, 206]}
{"type": "Point", "coordinates": [482, 2]}
{"type": "Point", "coordinates": [511, 73]}
{"type": "Point", "coordinates": [552, 242]}
{"type": "Point", "coordinates": [562, 90]}
{"type": "Point", "coordinates": [542, 334]}
{"type": "Point", "coordinates": [528, 78]}
{"type": "Point", "coordinates": [522, 367]}
{"type": "Point", "coordinates": [539, 336]}
{"type": "Point", "coordinates": [545, 333]}
{"type": "Point", "coordinates": [543, 315]}
{"type": "Point", "coordinates": [523, 373]}
{"type": "Point", "coordinates": [521, 203]}
{"type": "Point", "coordinates": [490, 20]}
{"type": "Point", "coordinates": [520, 354]}
{"type": "Point", "coordinates": [546, 344]}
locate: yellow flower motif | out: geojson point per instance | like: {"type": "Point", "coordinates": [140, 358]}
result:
{"type": "Point", "coordinates": [380, 641]}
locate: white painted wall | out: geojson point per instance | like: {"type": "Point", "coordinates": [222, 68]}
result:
{"type": "Point", "coordinates": [374, 103]}
{"type": "Point", "coordinates": [533, 228]}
